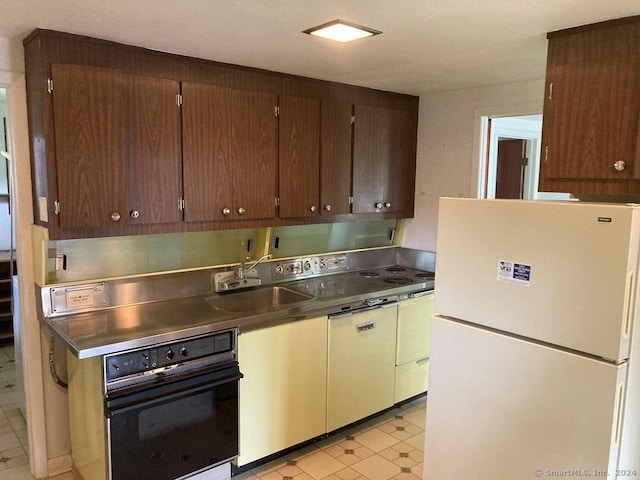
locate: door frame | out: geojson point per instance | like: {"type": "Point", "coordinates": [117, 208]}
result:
{"type": "Point", "coordinates": [515, 128]}
{"type": "Point", "coordinates": [480, 147]}
{"type": "Point", "coordinates": [22, 213]}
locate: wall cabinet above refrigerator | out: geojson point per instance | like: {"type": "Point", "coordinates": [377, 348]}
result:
{"type": "Point", "coordinates": [591, 120]}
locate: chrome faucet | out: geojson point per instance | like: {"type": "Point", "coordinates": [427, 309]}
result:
{"type": "Point", "coordinates": [242, 270]}
{"type": "Point", "coordinates": [240, 277]}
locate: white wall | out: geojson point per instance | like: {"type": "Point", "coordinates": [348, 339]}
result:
{"type": "Point", "coordinates": [448, 147]}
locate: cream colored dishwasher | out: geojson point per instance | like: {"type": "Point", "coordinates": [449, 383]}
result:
{"type": "Point", "coordinates": [361, 363]}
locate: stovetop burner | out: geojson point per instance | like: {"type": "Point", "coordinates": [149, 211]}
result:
{"type": "Point", "coordinates": [396, 269]}
{"type": "Point", "coordinates": [369, 274]}
{"type": "Point", "coordinates": [426, 275]}
{"type": "Point", "coordinates": [398, 280]}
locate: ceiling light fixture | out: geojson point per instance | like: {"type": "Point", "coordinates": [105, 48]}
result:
{"type": "Point", "coordinates": [341, 31]}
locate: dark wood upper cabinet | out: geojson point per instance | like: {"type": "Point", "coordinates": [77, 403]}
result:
{"type": "Point", "coordinates": [383, 160]}
{"type": "Point", "coordinates": [299, 156]}
{"type": "Point", "coordinates": [590, 132]}
{"type": "Point", "coordinates": [229, 153]}
{"type": "Point", "coordinates": [335, 157]}
{"type": "Point", "coordinates": [89, 113]}
{"type": "Point", "coordinates": [114, 154]}
{"type": "Point", "coordinates": [153, 150]}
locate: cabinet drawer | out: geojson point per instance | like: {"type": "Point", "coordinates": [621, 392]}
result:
{"type": "Point", "coordinates": [411, 379]}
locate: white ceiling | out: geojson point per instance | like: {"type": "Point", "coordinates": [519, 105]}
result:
{"type": "Point", "coordinates": [426, 46]}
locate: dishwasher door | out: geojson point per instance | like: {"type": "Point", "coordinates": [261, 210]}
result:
{"type": "Point", "coordinates": [361, 374]}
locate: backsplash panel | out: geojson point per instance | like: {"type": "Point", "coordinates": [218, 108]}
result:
{"type": "Point", "coordinates": [114, 257]}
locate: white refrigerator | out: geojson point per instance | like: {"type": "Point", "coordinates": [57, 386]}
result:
{"type": "Point", "coordinates": [535, 349]}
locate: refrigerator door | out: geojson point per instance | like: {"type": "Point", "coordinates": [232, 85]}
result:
{"type": "Point", "coordinates": [560, 272]}
{"type": "Point", "coordinates": [501, 408]}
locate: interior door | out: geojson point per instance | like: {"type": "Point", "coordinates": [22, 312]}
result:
{"type": "Point", "coordinates": [510, 167]}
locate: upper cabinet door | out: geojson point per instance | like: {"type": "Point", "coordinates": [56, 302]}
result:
{"type": "Point", "coordinates": [593, 107]}
{"type": "Point", "coordinates": [335, 160]}
{"type": "Point", "coordinates": [299, 156]}
{"type": "Point", "coordinates": [591, 121]}
{"type": "Point", "coordinates": [88, 115]}
{"type": "Point", "coordinates": [154, 156]}
{"type": "Point", "coordinates": [383, 160]}
{"type": "Point", "coordinates": [229, 153]}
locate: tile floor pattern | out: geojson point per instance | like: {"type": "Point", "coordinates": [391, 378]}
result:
{"type": "Point", "coordinates": [388, 447]}
{"type": "Point", "coordinates": [13, 428]}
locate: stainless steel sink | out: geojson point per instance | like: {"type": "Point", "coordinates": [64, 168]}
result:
{"type": "Point", "coordinates": [260, 299]}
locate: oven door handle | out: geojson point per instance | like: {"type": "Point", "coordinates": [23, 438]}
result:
{"type": "Point", "coordinates": [169, 390]}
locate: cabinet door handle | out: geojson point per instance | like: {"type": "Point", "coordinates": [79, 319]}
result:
{"type": "Point", "coordinates": [241, 211]}
{"type": "Point", "coordinates": [363, 327]}
{"type": "Point", "coordinates": [313, 208]}
{"type": "Point", "coordinates": [327, 208]}
{"type": "Point", "coordinates": [226, 211]}
{"type": "Point", "coordinates": [378, 205]}
{"type": "Point", "coordinates": [134, 214]}
{"type": "Point", "coordinates": [115, 216]}
{"type": "Point", "coordinates": [387, 204]}
{"type": "Point", "coordinates": [620, 165]}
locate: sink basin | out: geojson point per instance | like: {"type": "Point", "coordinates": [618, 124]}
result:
{"type": "Point", "coordinates": [263, 298]}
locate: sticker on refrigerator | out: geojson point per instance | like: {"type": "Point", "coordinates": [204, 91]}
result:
{"type": "Point", "coordinates": [516, 273]}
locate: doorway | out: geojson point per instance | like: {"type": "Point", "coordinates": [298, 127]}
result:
{"type": "Point", "coordinates": [7, 240]}
{"type": "Point", "coordinates": [513, 157]}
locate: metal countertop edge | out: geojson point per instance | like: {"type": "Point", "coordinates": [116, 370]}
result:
{"type": "Point", "coordinates": [246, 322]}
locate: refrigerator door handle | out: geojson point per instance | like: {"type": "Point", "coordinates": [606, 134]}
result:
{"type": "Point", "coordinates": [631, 298]}
{"type": "Point", "coordinates": [619, 414]}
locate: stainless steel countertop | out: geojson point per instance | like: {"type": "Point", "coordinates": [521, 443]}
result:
{"type": "Point", "coordinates": [123, 328]}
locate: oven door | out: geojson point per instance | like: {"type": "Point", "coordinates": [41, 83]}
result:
{"type": "Point", "coordinates": [174, 427]}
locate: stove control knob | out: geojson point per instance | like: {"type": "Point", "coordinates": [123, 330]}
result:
{"type": "Point", "coordinates": [184, 352]}
{"type": "Point", "coordinates": [307, 265]}
{"type": "Point", "coordinates": [279, 270]}
{"type": "Point", "coordinates": [170, 354]}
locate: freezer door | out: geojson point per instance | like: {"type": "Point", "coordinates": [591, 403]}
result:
{"type": "Point", "coordinates": [500, 408]}
{"type": "Point", "coordinates": [560, 272]}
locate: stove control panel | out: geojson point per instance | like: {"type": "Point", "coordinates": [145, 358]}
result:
{"type": "Point", "coordinates": [303, 267]}
{"type": "Point", "coordinates": [147, 359]}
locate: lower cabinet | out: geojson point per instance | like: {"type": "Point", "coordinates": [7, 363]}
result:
{"type": "Point", "coordinates": [361, 372]}
{"type": "Point", "coordinates": [283, 392]}
{"type": "Point", "coordinates": [309, 377]}
{"type": "Point", "coordinates": [412, 353]}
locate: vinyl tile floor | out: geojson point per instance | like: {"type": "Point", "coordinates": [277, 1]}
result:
{"type": "Point", "coordinates": [387, 447]}
{"type": "Point", "coordinates": [390, 446]}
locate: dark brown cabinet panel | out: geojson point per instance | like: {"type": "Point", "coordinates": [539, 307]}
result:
{"type": "Point", "coordinates": [229, 153]}
{"type": "Point", "coordinates": [299, 156]}
{"type": "Point", "coordinates": [117, 155]}
{"type": "Point", "coordinates": [88, 113]}
{"type": "Point", "coordinates": [335, 157]}
{"type": "Point", "coordinates": [154, 151]}
{"type": "Point", "coordinates": [592, 110]}
{"type": "Point", "coordinates": [383, 160]}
